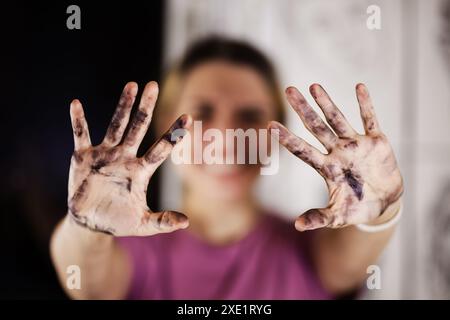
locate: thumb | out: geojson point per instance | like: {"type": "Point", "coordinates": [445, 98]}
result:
{"type": "Point", "coordinates": [313, 219]}
{"type": "Point", "coordinates": [162, 222]}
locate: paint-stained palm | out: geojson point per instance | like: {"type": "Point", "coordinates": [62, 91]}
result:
{"type": "Point", "coordinates": [108, 182]}
{"type": "Point", "coordinates": [361, 171]}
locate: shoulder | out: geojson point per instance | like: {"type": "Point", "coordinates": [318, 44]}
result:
{"type": "Point", "coordinates": [283, 229]}
{"type": "Point", "coordinates": [279, 224]}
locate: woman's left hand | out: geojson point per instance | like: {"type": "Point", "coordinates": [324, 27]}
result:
{"type": "Point", "coordinates": [361, 171]}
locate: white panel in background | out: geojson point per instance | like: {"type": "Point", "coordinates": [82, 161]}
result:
{"type": "Point", "coordinates": [432, 152]}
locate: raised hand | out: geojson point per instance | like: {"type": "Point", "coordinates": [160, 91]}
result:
{"type": "Point", "coordinates": [108, 183]}
{"type": "Point", "coordinates": [361, 171]}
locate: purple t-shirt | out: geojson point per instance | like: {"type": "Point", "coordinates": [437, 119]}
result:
{"type": "Point", "coordinates": [268, 263]}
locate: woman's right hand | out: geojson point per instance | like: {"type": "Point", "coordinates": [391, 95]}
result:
{"type": "Point", "coordinates": [108, 182]}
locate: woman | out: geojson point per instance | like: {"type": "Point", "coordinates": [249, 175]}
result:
{"type": "Point", "coordinates": [232, 248]}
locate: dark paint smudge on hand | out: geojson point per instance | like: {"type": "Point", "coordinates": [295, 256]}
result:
{"type": "Point", "coordinates": [356, 185]}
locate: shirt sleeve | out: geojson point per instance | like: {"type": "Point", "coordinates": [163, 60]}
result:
{"type": "Point", "coordinates": [142, 259]}
{"type": "Point", "coordinates": [305, 245]}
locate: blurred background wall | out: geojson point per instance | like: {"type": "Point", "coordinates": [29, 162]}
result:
{"type": "Point", "coordinates": [44, 65]}
{"type": "Point", "coordinates": [406, 65]}
{"type": "Point", "coordinates": [407, 68]}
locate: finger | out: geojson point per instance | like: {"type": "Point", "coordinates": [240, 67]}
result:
{"type": "Point", "coordinates": [81, 136]}
{"type": "Point", "coordinates": [121, 115]}
{"type": "Point", "coordinates": [142, 118]}
{"type": "Point", "coordinates": [313, 219]}
{"type": "Point", "coordinates": [162, 148]}
{"type": "Point", "coordinates": [310, 118]}
{"type": "Point", "coordinates": [161, 222]}
{"type": "Point", "coordinates": [368, 116]}
{"type": "Point", "coordinates": [298, 146]}
{"type": "Point", "coordinates": [333, 115]}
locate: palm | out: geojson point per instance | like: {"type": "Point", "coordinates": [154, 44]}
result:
{"type": "Point", "coordinates": [108, 183]}
{"type": "Point", "coordinates": [361, 172]}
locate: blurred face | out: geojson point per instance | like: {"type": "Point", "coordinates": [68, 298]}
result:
{"type": "Point", "coordinates": [221, 95]}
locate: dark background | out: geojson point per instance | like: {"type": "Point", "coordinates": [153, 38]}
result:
{"type": "Point", "coordinates": [44, 66]}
